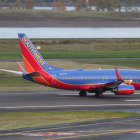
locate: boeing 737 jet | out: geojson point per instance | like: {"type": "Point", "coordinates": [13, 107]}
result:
{"type": "Point", "coordinates": [121, 82]}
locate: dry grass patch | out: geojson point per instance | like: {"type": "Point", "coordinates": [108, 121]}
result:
{"type": "Point", "coordinates": [34, 119]}
{"type": "Point", "coordinates": [62, 64]}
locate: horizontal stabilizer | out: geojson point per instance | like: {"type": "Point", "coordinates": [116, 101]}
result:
{"type": "Point", "coordinates": [12, 71]}
{"type": "Point", "coordinates": [20, 67]}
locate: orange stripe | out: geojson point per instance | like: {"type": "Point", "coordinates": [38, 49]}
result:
{"type": "Point", "coordinates": [125, 89]}
{"type": "Point", "coordinates": [37, 79]}
{"type": "Point", "coordinates": [28, 67]}
{"type": "Point", "coordinates": [41, 80]}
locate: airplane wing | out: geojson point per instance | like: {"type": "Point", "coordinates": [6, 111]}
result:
{"type": "Point", "coordinates": [12, 71]}
{"type": "Point", "coordinates": [110, 85]}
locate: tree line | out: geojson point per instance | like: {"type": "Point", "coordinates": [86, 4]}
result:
{"type": "Point", "coordinates": [28, 4]}
{"type": "Point", "coordinates": [104, 5]}
{"type": "Point", "coordinates": [100, 5]}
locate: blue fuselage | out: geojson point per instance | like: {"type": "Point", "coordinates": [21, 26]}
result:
{"type": "Point", "coordinates": [81, 77]}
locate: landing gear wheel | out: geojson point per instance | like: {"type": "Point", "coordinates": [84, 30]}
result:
{"type": "Point", "coordinates": [99, 95]}
{"type": "Point", "coordinates": [82, 93]}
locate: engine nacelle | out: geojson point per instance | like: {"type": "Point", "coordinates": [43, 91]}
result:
{"type": "Point", "coordinates": [124, 90]}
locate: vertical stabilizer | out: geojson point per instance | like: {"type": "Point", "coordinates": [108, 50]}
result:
{"type": "Point", "coordinates": [33, 61]}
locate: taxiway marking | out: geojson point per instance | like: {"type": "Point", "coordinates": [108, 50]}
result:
{"type": "Point", "coordinates": [65, 106]}
{"type": "Point", "coordinates": [132, 100]}
{"type": "Point", "coordinates": [50, 134]}
{"type": "Point", "coordinates": [100, 132]}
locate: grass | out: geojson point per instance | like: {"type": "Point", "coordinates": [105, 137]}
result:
{"type": "Point", "coordinates": [75, 48]}
{"type": "Point", "coordinates": [33, 119]}
{"type": "Point", "coordinates": [10, 55]}
{"type": "Point", "coordinates": [38, 14]}
{"type": "Point", "coordinates": [87, 55]}
{"type": "Point", "coordinates": [74, 55]}
{"type": "Point", "coordinates": [49, 45]}
{"type": "Point", "coordinates": [14, 80]}
{"type": "Point", "coordinates": [133, 63]}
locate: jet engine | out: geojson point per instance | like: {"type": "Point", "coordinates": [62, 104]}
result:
{"type": "Point", "coordinates": [124, 89]}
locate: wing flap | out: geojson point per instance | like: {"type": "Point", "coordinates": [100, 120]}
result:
{"type": "Point", "coordinates": [107, 85]}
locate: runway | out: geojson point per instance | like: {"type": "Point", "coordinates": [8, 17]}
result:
{"type": "Point", "coordinates": [66, 100]}
{"type": "Point", "coordinates": [117, 129]}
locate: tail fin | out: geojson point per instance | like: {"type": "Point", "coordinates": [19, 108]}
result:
{"type": "Point", "coordinates": [33, 61]}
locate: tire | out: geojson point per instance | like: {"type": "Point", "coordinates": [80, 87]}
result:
{"type": "Point", "coordinates": [82, 93]}
{"type": "Point", "coordinates": [99, 95]}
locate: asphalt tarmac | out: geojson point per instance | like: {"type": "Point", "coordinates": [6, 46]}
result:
{"type": "Point", "coordinates": [66, 100]}
{"type": "Point", "coordinates": [113, 129]}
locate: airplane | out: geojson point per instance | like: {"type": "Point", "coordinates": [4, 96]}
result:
{"type": "Point", "coordinates": [120, 82]}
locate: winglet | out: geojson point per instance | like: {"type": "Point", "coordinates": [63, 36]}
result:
{"type": "Point", "coordinates": [20, 67]}
{"type": "Point", "coordinates": [118, 75]}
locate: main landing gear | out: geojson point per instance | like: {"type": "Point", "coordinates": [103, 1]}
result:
{"type": "Point", "coordinates": [82, 93]}
{"type": "Point", "coordinates": [99, 93]}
